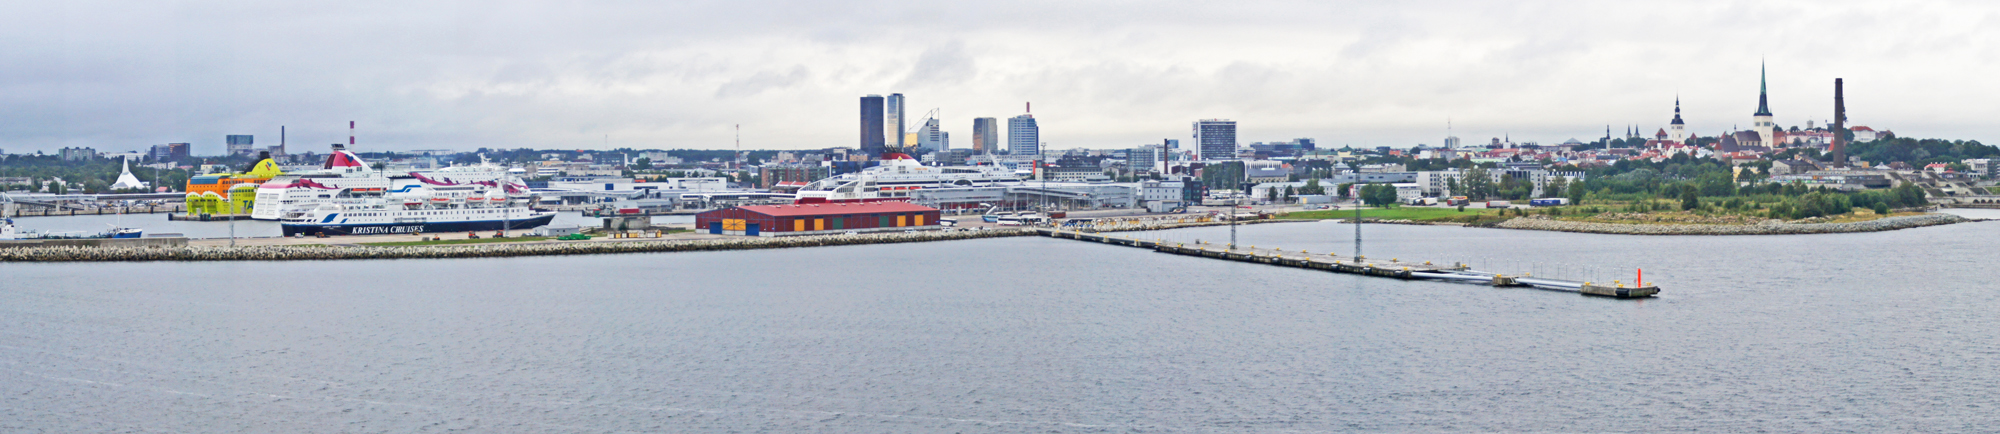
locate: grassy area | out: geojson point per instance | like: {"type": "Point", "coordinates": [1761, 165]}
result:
{"type": "Point", "coordinates": [1395, 213]}
{"type": "Point", "coordinates": [457, 241]}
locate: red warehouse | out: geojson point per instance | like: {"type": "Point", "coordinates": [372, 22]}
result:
{"type": "Point", "coordinates": [815, 219]}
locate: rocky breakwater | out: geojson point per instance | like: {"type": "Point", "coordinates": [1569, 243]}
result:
{"type": "Point", "coordinates": [1134, 226]}
{"type": "Point", "coordinates": [318, 252]}
{"type": "Point", "coordinates": [1768, 227]}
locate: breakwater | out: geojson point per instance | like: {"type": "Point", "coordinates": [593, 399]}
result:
{"type": "Point", "coordinates": [321, 252]}
{"type": "Point", "coordinates": [1772, 227]}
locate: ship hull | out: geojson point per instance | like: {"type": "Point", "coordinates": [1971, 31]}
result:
{"type": "Point", "coordinates": [414, 227]}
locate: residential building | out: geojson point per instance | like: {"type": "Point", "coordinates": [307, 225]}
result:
{"type": "Point", "coordinates": [1983, 167]}
{"type": "Point", "coordinates": [1144, 159]}
{"type": "Point", "coordinates": [1215, 139]}
{"type": "Point", "coordinates": [78, 154]}
{"type": "Point", "coordinates": [1263, 171]}
{"type": "Point", "coordinates": [169, 152]}
{"type": "Point", "coordinates": [240, 144]}
{"type": "Point", "coordinates": [1863, 134]}
{"type": "Point", "coordinates": [985, 135]}
{"type": "Point", "coordinates": [872, 129]}
{"type": "Point", "coordinates": [1024, 137]}
{"type": "Point", "coordinates": [772, 175]}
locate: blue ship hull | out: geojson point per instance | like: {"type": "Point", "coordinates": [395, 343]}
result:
{"type": "Point", "coordinates": [406, 228]}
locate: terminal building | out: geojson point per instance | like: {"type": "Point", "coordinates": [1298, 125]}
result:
{"type": "Point", "coordinates": [817, 219]}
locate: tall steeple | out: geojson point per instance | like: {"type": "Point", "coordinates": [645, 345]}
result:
{"type": "Point", "coordinates": [1763, 104]}
{"type": "Point", "coordinates": [1677, 111]}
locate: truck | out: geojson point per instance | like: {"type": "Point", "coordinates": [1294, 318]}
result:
{"type": "Point", "coordinates": [1421, 201]}
{"type": "Point", "coordinates": [1458, 201]}
{"type": "Point", "coordinates": [1554, 201]}
{"type": "Point", "coordinates": [1499, 204]}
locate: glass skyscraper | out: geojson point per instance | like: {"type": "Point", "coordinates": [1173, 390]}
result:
{"type": "Point", "coordinates": [1023, 136]}
{"type": "Point", "coordinates": [985, 135]}
{"type": "Point", "coordinates": [871, 125]}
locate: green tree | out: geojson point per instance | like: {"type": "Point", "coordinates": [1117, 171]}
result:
{"type": "Point", "coordinates": [1312, 187]}
{"type": "Point", "coordinates": [1690, 198]}
{"type": "Point", "coordinates": [1554, 187]}
{"type": "Point", "coordinates": [643, 164]}
{"type": "Point", "coordinates": [1378, 194]}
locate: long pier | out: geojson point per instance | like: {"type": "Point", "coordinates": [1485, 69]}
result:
{"type": "Point", "coordinates": [1393, 268]}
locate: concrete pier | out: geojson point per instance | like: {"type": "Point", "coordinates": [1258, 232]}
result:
{"type": "Point", "coordinates": [1395, 268]}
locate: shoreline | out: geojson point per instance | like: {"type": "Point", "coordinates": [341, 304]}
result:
{"type": "Point", "coordinates": [321, 252]}
{"type": "Point", "coordinates": [1766, 228]}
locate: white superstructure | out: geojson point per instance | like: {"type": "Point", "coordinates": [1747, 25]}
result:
{"type": "Point", "coordinates": [897, 177]}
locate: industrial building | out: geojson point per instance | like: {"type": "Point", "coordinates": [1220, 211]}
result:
{"type": "Point", "coordinates": [817, 219]}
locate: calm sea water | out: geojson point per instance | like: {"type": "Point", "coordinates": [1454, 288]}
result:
{"type": "Point", "coordinates": [1871, 332]}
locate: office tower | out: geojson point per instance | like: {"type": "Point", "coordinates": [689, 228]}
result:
{"type": "Point", "coordinates": [239, 144]}
{"type": "Point", "coordinates": [985, 135]}
{"type": "Point", "coordinates": [1215, 139]}
{"type": "Point", "coordinates": [895, 121]}
{"type": "Point", "coordinates": [930, 137]}
{"type": "Point", "coordinates": [1023, 136]}
{"type": "Point", "coordinates": [871, 126]}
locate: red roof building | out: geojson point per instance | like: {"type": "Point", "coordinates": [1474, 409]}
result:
{"type": "Point", "coordinates": [817, 219]}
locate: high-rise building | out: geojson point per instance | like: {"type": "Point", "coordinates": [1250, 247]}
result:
{"type": "Point", "coordinates": [1762, 119]}
{"type": "Point", "coordinates": [239, 144]}
{"type": "Point", "coordinates": [895, 121]}
{"type": "Point", "coordinates": [1144, 159]}
{"type": "Point", "coordinates": [169, 152]}
{"type": "Point", "coordinates": [985, 135]}
{"type": "Point", "coordinates": [930, 137]}
{"type": "Point", "coordinates": [1215, 139]}
{"type": "Point", "coordinates": [871, 125]}
{"type": "Point", "coordinates": [1023, 136]}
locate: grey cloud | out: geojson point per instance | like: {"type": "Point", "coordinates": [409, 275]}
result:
{"type": "Point", "coordinates": [762, 82]}
{"type": "Point", "coordinates": [946, 64]}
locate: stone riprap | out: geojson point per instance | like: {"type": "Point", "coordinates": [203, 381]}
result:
{"type": "Point", "coordinates": [1770, 227]}
{"type": "Point", "coordinates": [319, 252]}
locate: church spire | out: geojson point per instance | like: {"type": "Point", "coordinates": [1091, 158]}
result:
{"type": "Point", "coordinates": [1677, 111]}
{"type": "Point", "coordinates": [1763, 103]}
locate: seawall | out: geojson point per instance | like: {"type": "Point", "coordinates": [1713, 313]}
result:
{"type": "Point", "coordinates": [320, 252]}
{"type": "Point", "coordinates": [1766, 228]}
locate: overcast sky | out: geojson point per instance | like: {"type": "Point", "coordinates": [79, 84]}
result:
{"type": "Point", "coordinates": [423, 75]}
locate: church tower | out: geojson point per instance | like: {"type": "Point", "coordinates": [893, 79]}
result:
{"type": "Point", "coordinates": [1761, 121]}
{"type": "Point", "coordinates": [1677, 131]}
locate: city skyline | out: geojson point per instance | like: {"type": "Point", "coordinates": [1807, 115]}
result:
{"type": "Point", "coordinates": [608, 78]}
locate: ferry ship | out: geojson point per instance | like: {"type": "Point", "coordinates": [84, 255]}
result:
{"type": "Point", "coordinates": [9, 232]}
{"type": "Point", "coordinates": [459, 208]}
{"type": "Point", "coordinates": [897, 177]}
{"type": "Point", "coordinates": [346, 180]}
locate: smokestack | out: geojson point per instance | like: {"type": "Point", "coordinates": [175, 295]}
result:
{"type": "Point", "coordinates": [1839, 125]}
{"type": "Point", "coordinates": [1031, 107]}
{"type": "Point", "coordinates": [350, 133]}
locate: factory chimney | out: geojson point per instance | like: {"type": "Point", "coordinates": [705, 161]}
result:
{"type": "Point", "coordinates": [1839, 147]}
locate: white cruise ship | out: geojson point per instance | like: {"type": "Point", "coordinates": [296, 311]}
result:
{"type": "Point", "coordinates": [346, 179]}
{"type": "Point", "coordinates": [897, 177]}
{"type": "Point", "coordinates": [483, 206]}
